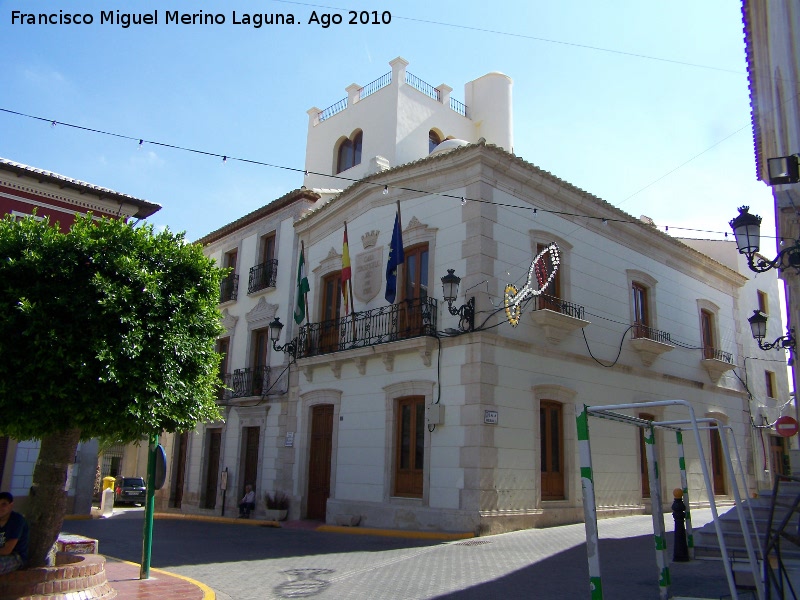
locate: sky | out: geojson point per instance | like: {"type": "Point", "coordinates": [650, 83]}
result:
{"type": "Point", "coordinates": [644, 104]}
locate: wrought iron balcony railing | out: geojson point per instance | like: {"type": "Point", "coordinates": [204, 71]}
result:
{"type": "Point", "coordinates": [404, 320]}
{"type": "Point", "coordinates": [263, 276]}
{"type": "Point", "coordinates": [229, 288]}
{"type": "Point", "coordinates": [716, 354]}
{"type": "Point", "coordinates": [643, 331]}
{"type": "Point", "coordinates": [543, 301]}
{"type": "Point", "coordinates": [249, 382]}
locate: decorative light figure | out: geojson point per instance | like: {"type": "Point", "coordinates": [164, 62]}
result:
{"type": "Point", "coordinates": [513, 298]}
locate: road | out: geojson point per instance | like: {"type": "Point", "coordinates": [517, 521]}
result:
{"type": "Point", "coordinates": [242, 562]}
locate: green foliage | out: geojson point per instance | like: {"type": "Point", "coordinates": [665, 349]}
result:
{"type": "Point", "coordinates": [108, 328]}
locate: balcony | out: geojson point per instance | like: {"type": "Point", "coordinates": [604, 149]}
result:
{"type": "Point", "coordinates": [404, 320]}
{"type": "Point", "coordinates": [249, 382]}
{"type": "Point", "coordinates": [716, 362]}
{"type": "Point", "coordinates": [263, 276]}
{"type": "Point", "coordinates": [650, 343]}
{"type": "Point", "coordinates": [228, 288]}
{"type": "Point", "coordinates": [558, 318]}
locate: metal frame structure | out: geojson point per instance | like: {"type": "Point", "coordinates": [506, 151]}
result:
{"type": "Point", "coordinates": [589, 502]}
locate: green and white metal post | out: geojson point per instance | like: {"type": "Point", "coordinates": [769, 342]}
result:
{"type": "Point", "coordinates": [685, 488]}
{"type": "Point", "coordinates": [589, 506]}
{"type": "Point", "coordinates": [659, 532]}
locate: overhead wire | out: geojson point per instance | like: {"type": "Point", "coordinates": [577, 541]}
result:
{"type": "Point", "coordinates": [378, 184]}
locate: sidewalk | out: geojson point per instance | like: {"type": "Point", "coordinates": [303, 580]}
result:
{"type": "Point", "coordinates": [124, 577]}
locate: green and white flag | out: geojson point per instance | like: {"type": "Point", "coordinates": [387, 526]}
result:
{"type": "Point", "coordinates": [302, 290]}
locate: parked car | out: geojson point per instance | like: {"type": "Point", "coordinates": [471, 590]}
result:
{"type": "Point", "coordinates": [131, 490]}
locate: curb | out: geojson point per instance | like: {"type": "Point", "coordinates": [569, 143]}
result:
{"type": "Point", "coordinates": [209, 519]}
{"type": "Point", "coordinates": [419, 535]}
{"type": "Point", "coordinates": [208, 593]}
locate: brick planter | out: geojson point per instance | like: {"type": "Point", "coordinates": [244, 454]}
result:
{"type": "Point", "coordinates": [75, 577]}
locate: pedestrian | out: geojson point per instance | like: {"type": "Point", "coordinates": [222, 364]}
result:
{"type": "Point", "coordinates": [13, 536]}
{"type": "Point", "coordinates": [248, 502]}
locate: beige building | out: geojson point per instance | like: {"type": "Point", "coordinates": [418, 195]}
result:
{"type": "Point", "coordinates": [401, 414]}
{"type": "Point", "coordinates": [772, 38]}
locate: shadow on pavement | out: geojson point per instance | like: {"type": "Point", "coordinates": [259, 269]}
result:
{"type": "Point", "coordinates": [628, 568]}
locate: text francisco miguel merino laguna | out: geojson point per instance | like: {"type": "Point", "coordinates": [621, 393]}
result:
{"type": "Point", "coordinates": [174, 17]}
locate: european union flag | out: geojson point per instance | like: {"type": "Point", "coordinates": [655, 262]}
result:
{"type": "Point", "coordinates": [396, 257]}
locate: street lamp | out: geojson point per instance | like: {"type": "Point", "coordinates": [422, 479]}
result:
{"type": "Point", "coordinates": [289, 348]}
{"type": "Point", "coordinates": [747, 231]}
{"type": "Point", "coordinates": [466, 313]}
{"type": "Point", "coordinates": [758, 327]}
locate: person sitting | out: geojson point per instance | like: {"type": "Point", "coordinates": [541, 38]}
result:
{"type": "Point", "coordinates": [13, 536]}
{"type": "Point", "coordinates": [248, 502]}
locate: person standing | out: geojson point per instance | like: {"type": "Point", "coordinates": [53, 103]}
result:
{"type": "Point", "coordinates": [13, 536]}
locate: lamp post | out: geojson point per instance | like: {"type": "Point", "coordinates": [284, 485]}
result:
{"type": "Point", "coordinates": [758, 327]}
{"type": "Point", "coordinates": [747, 232]}
{"type": "Point", "coordinates": [783, 170]}
{"type": "Point", "coordinates": [466, 313]}
{"type": "Point", "coordinates": [289, 348]}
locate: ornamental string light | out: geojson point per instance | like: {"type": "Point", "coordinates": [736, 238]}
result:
{"type": "Point", "coordinates": [538, 271]}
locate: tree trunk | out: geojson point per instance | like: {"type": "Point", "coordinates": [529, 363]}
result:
{"type": "Point", "coordinates": [47, 503]}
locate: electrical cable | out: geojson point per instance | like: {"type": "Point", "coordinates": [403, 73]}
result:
{"type": "Point", "coordinates": [363, 181]}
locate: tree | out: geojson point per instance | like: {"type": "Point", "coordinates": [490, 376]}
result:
{"type": "Point", "coordinates": [105, 331]}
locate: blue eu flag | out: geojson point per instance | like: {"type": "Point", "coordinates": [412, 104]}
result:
{"type": "Point", "coordinates": [396, 257]}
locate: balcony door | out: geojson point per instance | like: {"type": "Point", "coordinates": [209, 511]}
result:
{"type": "Point", "coordinates": [331, 307]}
{"type": "Point", "coordinates": [415, 291]}
{"type": "Point", "coordinates": [707, 332]}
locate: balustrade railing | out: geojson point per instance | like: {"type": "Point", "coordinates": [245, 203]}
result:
{"type": "Point", "coordinates": [332, 110]}
{"type": "Point", "coordinates": [228, 288]}
{"type": "Point", "coordinates": [544, 301]}
{"type": "Point", "coordinates": [404, 320]}
{"type": "Point", "coordinates": [716, 354]}
{"type": "Point", "coordinates": [263, 276]}
{"type": "Point", "coordinates": [249, 382]}
{"type": "Point", "coordinates": [643, 331]}
{"type": "Point", "coordinates": [425, 88]}
{"type": "Point", "coordinates": [459, 107]}
{"type": "Point", "coordinates": [374, 86]}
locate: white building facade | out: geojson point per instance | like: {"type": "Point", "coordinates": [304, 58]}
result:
{"type": "Point", "coordinates": [403, 415]}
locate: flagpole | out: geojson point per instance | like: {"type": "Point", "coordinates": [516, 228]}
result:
{"type": "Point", "coordinates": [350, 282]}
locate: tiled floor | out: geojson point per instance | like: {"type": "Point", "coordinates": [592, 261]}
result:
{"type": "Point", "coordinates": [124, 577]}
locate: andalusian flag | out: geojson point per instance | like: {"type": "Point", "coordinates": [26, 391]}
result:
{"type": "Point", "coordinates": [345, 271]}
{"type": "Point", "coordinates": [302, 290]}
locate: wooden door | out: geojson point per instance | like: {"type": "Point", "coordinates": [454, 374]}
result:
{"type": "Point", "coordinates": [213, 445]}
{"type": "Point", "coordinates": [410, 447]}
{"type": "Point", "coordinates": [717, 463]}
{"type": "Point", "coordinates": [179, 473]}
{"type": "Point", "coordinates": [331, 306]}
{"type": "Point", "coordinates": [643, 455]}
{"type": "Point", "coordinates": [415, 291]}
{"type": "Point", "coordinates": [551, 430]}
{"type": "Point", "coordinates": [250, 438]}
{"type": "Point", "coordinates": [319, 460]}
{"type": "Point", "coordinates": [777, 451]}
{"type": "Point", "coordinates": [707, 333]}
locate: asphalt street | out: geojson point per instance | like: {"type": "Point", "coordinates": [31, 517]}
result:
{"type": "Point", "coordinates": [243, 562]}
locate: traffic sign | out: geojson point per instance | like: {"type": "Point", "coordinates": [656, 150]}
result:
{"type": "Point", "coordinates": [786, 426]}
